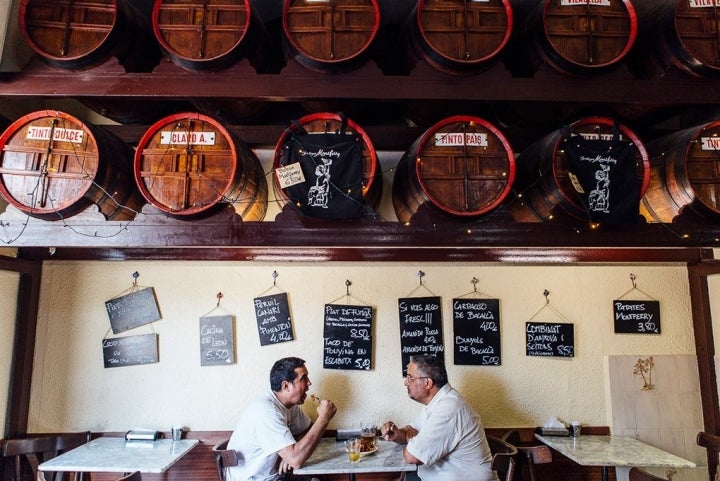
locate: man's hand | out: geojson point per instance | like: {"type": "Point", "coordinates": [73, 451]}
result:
{"type": "Point", "coordinates": [326, 410]}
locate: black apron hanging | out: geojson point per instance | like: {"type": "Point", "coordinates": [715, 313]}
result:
{"type": "Point", "coordinates": [603, 174]}
{"type": "Point", "coordinates": [331, 164]}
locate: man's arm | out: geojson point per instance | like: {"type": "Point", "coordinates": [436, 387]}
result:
{"type": "Point", "coordinates": [296, 454]}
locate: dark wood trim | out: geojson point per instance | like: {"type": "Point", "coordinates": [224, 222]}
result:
{"type": "Point", "coordinates": [705, 352]}
{"type": "Point", "coordinates": [28, 299]}
{"type": "Point", "coordinates": [387, 254]}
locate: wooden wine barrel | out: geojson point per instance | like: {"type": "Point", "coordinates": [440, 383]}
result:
{"type": "Point", "coordinates": [201, 36]}
{"type": "Point", "coordinates": [330, 36]}
{"type": "Point", "coordinates": [683, 34]}
{"type": "Point", "coordinates": [582, 37]}
{"type": "Point", "coordinates": [460, 37]}
{"type": "Point", "coordinates": [544, 185]}
{"type": "Point", "coordinates": [81, 35]}
{"type": "Point", "coordinates": [684, 174]}
{"type": "Point", "coordinates": [462, 167]}
{"type": "Point", "coordinates": [188, 165]}
{"type": "Point", "coordinates": [331, 122]}
{"type": "Point", "coordinates": [53, 166]}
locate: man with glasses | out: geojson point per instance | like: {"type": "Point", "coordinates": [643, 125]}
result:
{"type": "Point", "coordinates": [447, 439]}
{"type": "Point", "coordinates": [274, 435]}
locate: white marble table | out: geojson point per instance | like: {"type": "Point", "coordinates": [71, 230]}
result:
{"type": "Point", "coordinates": [115, 455]}
{"type": "Point", "coordinates": [613, 451]}
{"type": "Point", "coordinates": [330, 458]}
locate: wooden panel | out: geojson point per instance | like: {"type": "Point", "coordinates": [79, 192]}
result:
{"type": "Point", "coordinates": [588, 35]}
{"type": "Point", "coordinates": [323, 34]}
{"type": "Point", "coordinates": [197, 34]}
{"type": "Point", "coordinates": [458, 32]}
{"type": "Point", "coordinates": [61, 31]}
{"type": "Point", "coordinates": [189, 164]}
{"type": "Point", "coordinates": [698, 30]}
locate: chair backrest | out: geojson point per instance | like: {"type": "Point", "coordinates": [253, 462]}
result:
{"type": "Point", "coordinates": [504, 458]}
{"type": "Point", "coordinates": [637, 474]}
{"type": "Point", "coordinates": [224, 458]}
{"type": "Point", "coordinates": [709, 441]}
{"type": "Point", "coordinates": [529, 455]}
{"type": "Point", "coordinates": [136, 476]}
{"type": "Point", "coordinates": [33, 451]}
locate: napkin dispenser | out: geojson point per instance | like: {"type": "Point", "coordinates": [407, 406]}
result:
{"type": "Point", "coordinates": [142, 435]}
{"type": "Point", "coordinates": [553, 427]}
{"type": "Point", "coordinates": [552, 431]}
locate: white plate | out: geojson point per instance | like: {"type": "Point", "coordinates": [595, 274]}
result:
{"type": "Point", "coordinates": [365, 453]}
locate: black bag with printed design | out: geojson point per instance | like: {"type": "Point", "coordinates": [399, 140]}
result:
{"type": "Point", "coordinates": [331, 164]}
{"type": "Point", "coordinates": [603, 174]}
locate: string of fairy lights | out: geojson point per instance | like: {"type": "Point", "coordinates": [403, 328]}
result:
{"type": "Point", "coordinates": [279, 199]}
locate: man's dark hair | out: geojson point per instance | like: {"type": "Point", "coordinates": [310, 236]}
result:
{"type": "Point", "coordinates": [284, 370]}
{"type": "Point", "coordinates": [431, 366]}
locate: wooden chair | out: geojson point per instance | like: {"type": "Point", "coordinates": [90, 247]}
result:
{"type": "Point", "coordinates": [529, 455]}
{"type": "Point", "coordinates": [33, 451]}
{"type": "Point", "coordinates": [225, 458]}
{"type": "Point", "coordinates": [711, 442]}
{"type": "Point", "coordinates": [136, 476]}
{"type": "Point", "coordinates": [504, 458]}
{"type": "Point", "coordinates": [637, 474]}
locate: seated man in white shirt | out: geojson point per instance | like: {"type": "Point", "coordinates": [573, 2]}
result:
{"type": "Point", "coordinates": [274, 435]}
{"type": "Point", "coordinates": [447, 439]}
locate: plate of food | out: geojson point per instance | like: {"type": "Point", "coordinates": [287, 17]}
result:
{"type": "Point", "coordinates": [365, 453]}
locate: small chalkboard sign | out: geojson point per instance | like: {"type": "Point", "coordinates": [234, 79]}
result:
{"type": "Point", "coordinates": [549, 339]}
{"type": "Point", "coordinates": [476, 327]}
{"type": "Point", "coordinates": [217, 340]}
{"type": "Point", "coordinates": [130, 350]}
{"type": "Point", "coordinates": [636, 317]}
{"type": "Point", "coordinates": [420, 327]}
{"type": "Point", "coordinates": [273, 319]}
{"type": "Point", "coordinates": [132, 310]}
{"type": "Point", "coordinates": [347, 337]}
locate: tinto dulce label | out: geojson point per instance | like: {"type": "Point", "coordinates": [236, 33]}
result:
{"type": "Point", "coordinates": [710, 143]}
{"type": "Point", "coordinates": [175, 137]}
{"type": "Point", "coordinates": [704, 3]}
{"type": "Point", "coordinates": [602, 3]}
{"type": "Point", "coordinates": [459, 139]}
{"type": "Point", "coordinates": [61, 135]}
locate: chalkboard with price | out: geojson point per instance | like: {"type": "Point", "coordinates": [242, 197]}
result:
{"type": "Point", "coordinates": [420, 327]}
{"type": "Point", "coordinates": [553, 339]}
{"type": "Point", "coordinates": [476, 330]}
{"type": "Point", "coordinates": [347, 337]}
{"type": "Point", "coordinates": [272, 314]}
{"type": "Point", "coordinates": [217, 340]}
{"type": "Point", "coordinates": [636, 317]}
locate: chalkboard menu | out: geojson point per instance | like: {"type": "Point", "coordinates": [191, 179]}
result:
{"type": "Point", "coordinates": [637, 317]}
{"type": "Point", "coordinates": [420, 327]}
{"type": "Point", "coordinates": [476, 327]}
{"type": "Point", "coordinates": [273, 319]}
{"type": "Point", "coordinates": [217, 340]}
{"type": "Point", "coordinates": [132, 310]}
{"type": "Point", "coordinates": [347, 337]}
{"type": "Point", "coordinates": [550, 339]}
{"type": "Point", "coordinates": [130, 350]}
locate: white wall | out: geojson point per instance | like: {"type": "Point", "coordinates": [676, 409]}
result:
{"type": "Point", "coordinates": [8, 290]}
{"type": "Point", "coordinates": [72, 391]}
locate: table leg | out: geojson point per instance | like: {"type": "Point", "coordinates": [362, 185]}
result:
{"type": "Point", "coordinates": [604, 473]}
{"type": "Point", "coordinates": [351, 476]}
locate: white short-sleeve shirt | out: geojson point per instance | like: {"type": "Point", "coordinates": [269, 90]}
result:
{"type": "Point", "coordinates": [264, 428]}
{"type": "Point", "coordinates": [451, 440]}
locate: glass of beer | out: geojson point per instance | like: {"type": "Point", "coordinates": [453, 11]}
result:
{"type": "Point", "coordinates": [352, 446]}
{"type": "Point", "coordinates": [368, 432]}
